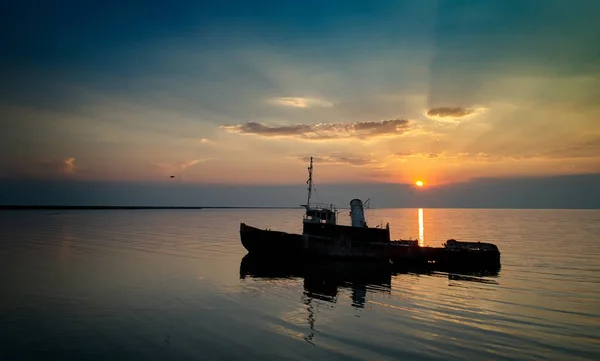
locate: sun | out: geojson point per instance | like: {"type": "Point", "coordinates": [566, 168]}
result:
{"type": "Point", "coordinates": [419, 183]}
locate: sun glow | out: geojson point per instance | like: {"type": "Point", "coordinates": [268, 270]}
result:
{"type": "Point", "coordinates": [419, 183]}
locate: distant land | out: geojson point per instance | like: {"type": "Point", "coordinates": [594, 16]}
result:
{"type": "Point", "coordinates": [51, 207]}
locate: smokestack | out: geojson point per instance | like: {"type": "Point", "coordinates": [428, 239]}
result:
{"type": "Point", "coordinates": [357, 213]}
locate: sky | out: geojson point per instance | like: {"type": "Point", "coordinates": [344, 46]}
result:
{"type": "Point", "coordinates": [471, 97]}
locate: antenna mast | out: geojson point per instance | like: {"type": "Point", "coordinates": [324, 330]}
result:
{"type": "Point", "coordinates": [309, 181]}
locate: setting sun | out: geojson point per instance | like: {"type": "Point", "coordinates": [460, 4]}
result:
{"type": "Point", "coordinates": [419, 183]}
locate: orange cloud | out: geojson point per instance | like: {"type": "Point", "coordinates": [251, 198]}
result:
{"type": "Point", "coordinates": [178, 168]}
{"type": "Point", "coordinates": [589, 148]}
{"type": "Point", "coordinates": [68, 166]}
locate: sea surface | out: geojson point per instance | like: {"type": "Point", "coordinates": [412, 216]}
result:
{"type": "Point", "coordinates": [171, 285]}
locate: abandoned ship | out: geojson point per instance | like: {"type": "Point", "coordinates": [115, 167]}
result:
{"type": "Point", "coordinates": [323, 237]}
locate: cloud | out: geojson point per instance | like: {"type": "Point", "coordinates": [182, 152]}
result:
{"type": "Point", "coordinates": [54, 167]}
{"type": "Point", "coordinates": [447, 156]}
{"type": "Point", "coordinates": [340, 159]}
{"type": "Point", "coordinates": [324, 131]}
{"type": "Point", "coordinates": [431, 155]}
{"type": "Point", "coordinates": [68, 165]}
{"type": "Point", "coordinates": [185, 165]}
{"type": "Point", "coordinates": [178, 168]}
{"type": "Point", "coordinates": [585, 149]}
{"type": "Point", "coordinates": [43, 169]}
{"type": "Point", "coordinates": [452, 113]}
{"type": "Point", "coordinates": [455, 112]}
{"type": "Point", "coordinates": [300, 102]}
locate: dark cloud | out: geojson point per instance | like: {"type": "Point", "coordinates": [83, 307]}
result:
{"type": "Point", "coordinates": [324, 131]}
{"type": "Point", "coordinates": [265, 130]}
{"type": "Point", "coordinates": [452, 112]}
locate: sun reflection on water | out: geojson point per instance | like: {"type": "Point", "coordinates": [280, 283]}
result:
{"type": "Point", "coordinates": [421, 229]}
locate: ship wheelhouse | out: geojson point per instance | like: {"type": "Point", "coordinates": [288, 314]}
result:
{"type": "Point", "coordinates": [320, 213]}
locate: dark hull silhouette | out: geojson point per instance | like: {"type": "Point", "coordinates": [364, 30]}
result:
{"type": "Point", "coordinates": [346, 245]}
{"type": "Point", "coordinates": [270, 243]}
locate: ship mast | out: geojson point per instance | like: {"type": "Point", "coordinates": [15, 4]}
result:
{"type": "Point", "coordinates": [309, 181]}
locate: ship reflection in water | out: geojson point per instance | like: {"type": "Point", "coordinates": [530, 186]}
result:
{"type": "Point", "coordinates": [323, 280]}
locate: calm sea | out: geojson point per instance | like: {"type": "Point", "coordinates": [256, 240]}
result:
{"type": "Point", "coordinates": [171, 285]}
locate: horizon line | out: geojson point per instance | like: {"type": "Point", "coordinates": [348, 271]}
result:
{"type": "Point", "coordinates": [9, 207]}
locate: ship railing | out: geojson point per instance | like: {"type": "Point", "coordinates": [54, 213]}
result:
{"type": "Point", "coordinates": [383, 225]}
{"type": "Point", "coordinates": [321, 206]}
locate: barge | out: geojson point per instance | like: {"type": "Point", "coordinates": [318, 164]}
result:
{"type": "Point", "coordinates": [323, 237]}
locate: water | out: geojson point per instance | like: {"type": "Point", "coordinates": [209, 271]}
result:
{"type": "Point", "coordinates": [166, 285]}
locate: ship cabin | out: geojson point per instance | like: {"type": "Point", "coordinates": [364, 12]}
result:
{"type": "Point", "coordinates": [454, 245]}
{"type": "Point", "coordinates": [320, 213]}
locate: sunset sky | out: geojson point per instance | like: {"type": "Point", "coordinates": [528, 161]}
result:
{"type": "Point", "coordinates": [234, 93]}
